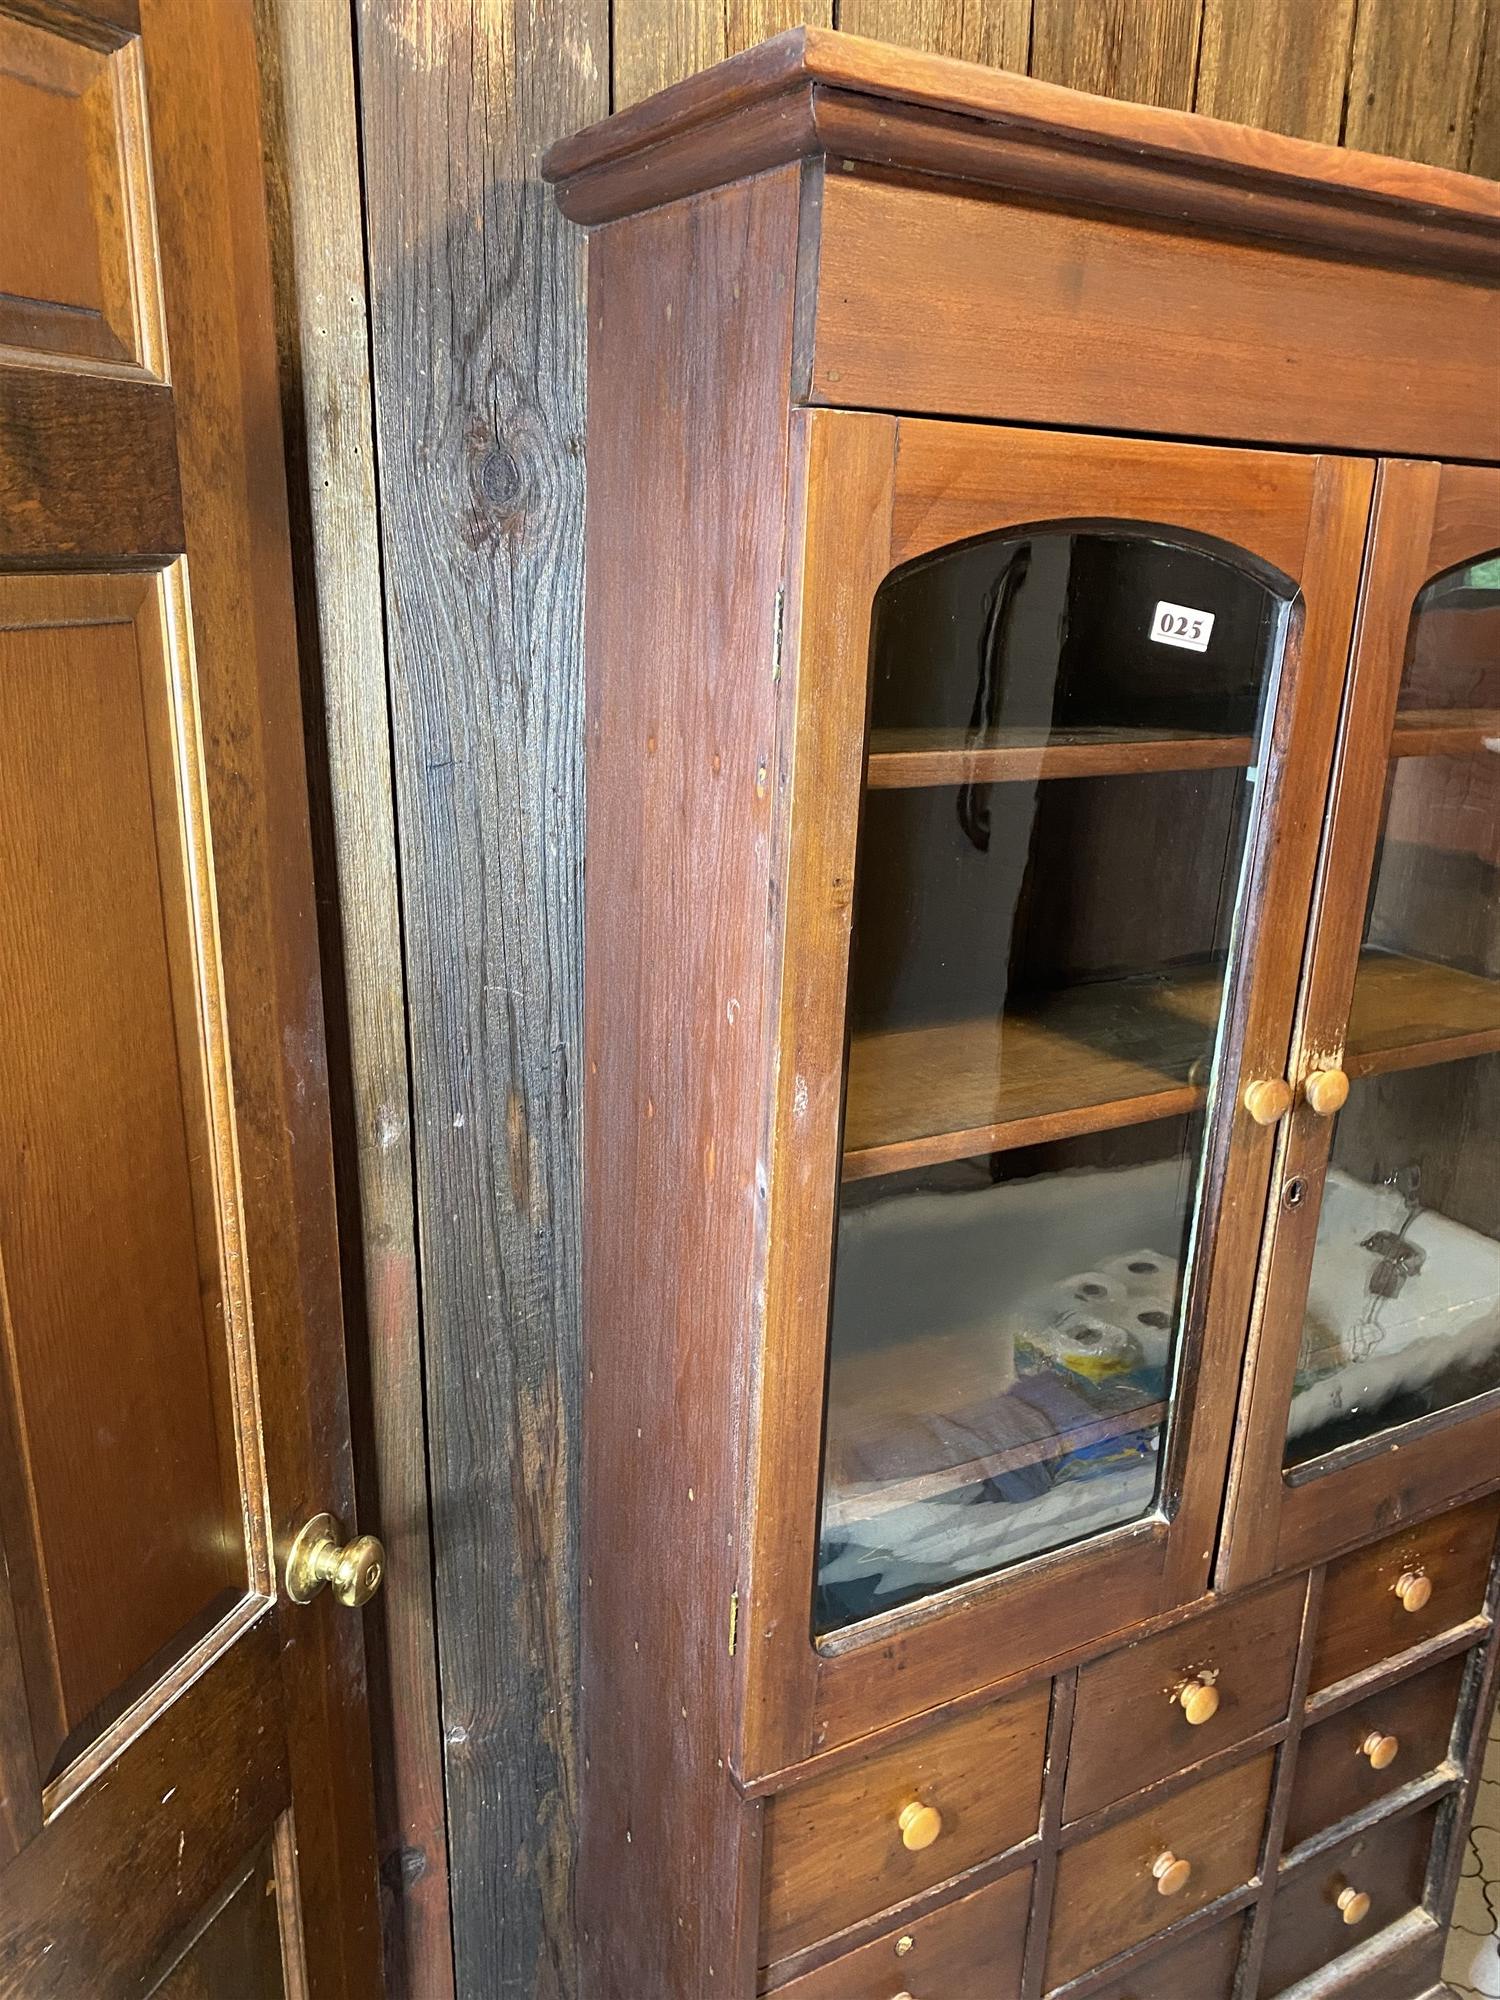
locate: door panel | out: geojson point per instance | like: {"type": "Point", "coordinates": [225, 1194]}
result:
{"type": "Point", "coordinates": [1046, 997]}
{"type": "Point", "coordinates": [1380, 1324]}
{"type": "Point", "coordinates": [184, 1758]}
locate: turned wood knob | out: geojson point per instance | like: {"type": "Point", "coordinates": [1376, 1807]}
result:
{"type": "Point", "coordinates": [1172, 1875]}
{"type": "Point", "coordinates": [1199, 1701]}
{"type": "Point", "coordinates": [1382, 1751]}
{"type": "Point", "coordinates": [1326, 1090]}
{"type": "Point", "coordinates": [1414, 1588]}
{"type": "Point", "coordinates": [920, 1825]}
{"type": "Point", "coordinates": [1354, 1905]}
{"type": "Point", "coordinates": [1268, 1100]}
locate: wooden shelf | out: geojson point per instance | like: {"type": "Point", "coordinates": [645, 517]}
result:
{"type": "Point", "coordinates": [1445, 732]}
{"type": "Point", "coordinates": [904, 758]}
{"type": "Point", "coordinates": [1091, 1058]}
{"type": "Point", "coordinates": [1408, 1012]}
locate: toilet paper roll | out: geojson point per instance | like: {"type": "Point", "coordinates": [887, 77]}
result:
{"type": "Point", "coordinates": [1142, 1271]}
{"type": "Point", "coordinates": [1088, 1292]}
{"type": "Point", "coordinates": [1153, 1322]}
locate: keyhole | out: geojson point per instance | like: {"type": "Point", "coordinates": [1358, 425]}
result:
{"type": "Point", "coordinates": [1294, 1191]}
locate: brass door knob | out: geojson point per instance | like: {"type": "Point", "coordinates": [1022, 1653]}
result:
{"type": "Point", "coordinates": [1327, 1091]}
{"type": "Point", "coordinates": [1414, 1588]}
{"type": "Point", "coordinates": [1172, 1875]}
{"type": "Point", "coordinates": [1353, 1904]}
{"type": "Point", "coordinates": [1382, 1751]}
{"type": "Point", "coordinates": [354, 1569]}
{"type": "Point", "coordinates": [1268, 1100]}
{"type": "Point", "coordinates": [920, 1825]}
{"type": "Point", "coordinates": [1199, 1701]}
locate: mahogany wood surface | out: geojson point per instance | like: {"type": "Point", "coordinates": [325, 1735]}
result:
{"type": "Point", "coordinates": [972, 1944]}
{"type": "Point", "coordinates": [902, 757]}
{"type": "Point", "coordinates": [1335, 1775]}
{"type": "Point", "coordinates": [1362, 1619]}
{"type": "Point", "coordinates": [171, 1365]}
{"type": "Point", "coordinates": [1388, 1864]}
{"type": "Point", "coordinates": [1129, 1728]}
{"type": "Point", "coordinates": [1202, 1969]}
{"type": "Point", "coordinates": [1107, 1897]}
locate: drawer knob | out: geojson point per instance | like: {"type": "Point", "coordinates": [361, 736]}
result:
{"type": "Point", "coordinates": [1414, 1588]}
{"type": "Point", "coordinates": [1354, 1905]}
{"type": "Point", "coordinates": [920, 1825]}
{"type": "Point", "coordinates": [1199, 1701]}
{"type": "Point", "coordinates": [1172, 1875]}
{"type": "Point", "coordinates": [1327, 1091]}
{"type": "Point", "coordinates": [1268, 1100]}
{"type": "Point", "coordinates": [1382, 1751]}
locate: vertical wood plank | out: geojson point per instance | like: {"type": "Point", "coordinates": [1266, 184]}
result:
{"type": "Point", "coordinates": [1146, 50]}
{"type": "Point", "coordinates": [1484, 146]}
{"type": "Point", "coordinates": [997, 32]}
{"type": "Point", "coordinates": [476, 305]}
{"type": "Point", "coordinates": [1413, 76]}
{"type": "Point", "coordinates": [313, 191]}
{"type": "Point", "coordinates": [657, 42]}
{"type": "Point", "coordinates": [1280, 64]}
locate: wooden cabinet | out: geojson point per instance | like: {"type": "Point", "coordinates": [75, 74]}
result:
{"type": "Point", "coordinates": [1043, 1027]}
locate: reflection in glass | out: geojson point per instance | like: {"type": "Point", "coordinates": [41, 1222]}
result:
{"type": "Point", "coordinates": [1403, 1312]}
{"type": "Point", "coordinates": [1047, 897]}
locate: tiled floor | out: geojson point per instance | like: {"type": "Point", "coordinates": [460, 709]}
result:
{"type": "Point", "coordinates": [1472, 1965]}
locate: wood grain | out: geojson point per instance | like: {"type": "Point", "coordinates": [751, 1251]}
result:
{"type": "Point", "coordinates": [970, 1945]}
{"type": "Point", "coordinates": [655, 43]}
{"type": "Point", "coordinates": [994, 32]}
{"type": "Point", "coordinates": [1279, 64]}
{"type": "Point", "coordinates": [1144, 50]}
{"type": "Point", "coordinates": [1201, 1969]}
{"type": "Point", "coordinates": [904, 757]}
{"type": "Point", "coordinates": [88, 471]}
{"type": "Point", "coordinates": [1412, 78]}
{"type": "Point", "coordinates": [833, 1850]}
{"type": "Point", "coordinates": [1388, 1863]}
{"type": "Point", "coordinates": [1334, 1777]}
{"type": "Point", "coordinates": [307, 59]}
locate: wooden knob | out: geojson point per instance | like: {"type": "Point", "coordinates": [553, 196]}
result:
{"type": "Point", "coordinates": [1382, 1751]}
{"type": "Point", "coordinates": [1172, 1875]}
{"type": "Point", "coordinates": [1414, 1588]}
{"type": "Point", "coordinates": [1199, 1700]}
{"type": "Point", "coordinates": [1354, 1904]}
{"type": "Point", "coordinates": [920, 1825]}
{"type": "Point", "coordinates": [1326, 1090]}
{"type": "Point", "coordinates": [1268, 1100]}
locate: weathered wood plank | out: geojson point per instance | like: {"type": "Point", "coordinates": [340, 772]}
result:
{"type": "Point", "coordinates": [657, 42]}
{"type": "Point", "coordinates": [476, 301]}
{"type": "Point", "coordinates": [1413, 77]}
{"type": "Point", "coordinates": [1280, 64]}
{"type": "Point", "coordinates": [313, 188]}
{"type": "Point", "coordinates": [997, 32]}
{"type": "Point", "coordinates": [1484, 146]}
{"type": "Point", "coordinates": [1141, 49]}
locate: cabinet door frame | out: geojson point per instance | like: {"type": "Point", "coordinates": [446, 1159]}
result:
{"type": "Point", "coordinates": [869, 493]}
{"type": "Point", "coordinates": [1427, 519]}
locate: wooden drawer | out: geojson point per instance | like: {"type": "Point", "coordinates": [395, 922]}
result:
{"type": "Point", "coordinates": [1129, 1726]}
{"type": "Point", "coordinates": [1201, 1970]}
{"type": "Point", "coordinates": [1308, 1930]}
{"type": "Point", "coordinates": [1363, 1619]}
{"type": "Point", "coordinates": [1108, 1896]}
{"type": "Point", "coordinates": [834, 1849]}
{"type": "Point", "coordinates": [968, 1950]}
{"type": "Point", "coordinates": [1341, 1763]}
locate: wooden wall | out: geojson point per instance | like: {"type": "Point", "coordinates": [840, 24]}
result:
{"type": "Point", "coordinates": [438, 453]}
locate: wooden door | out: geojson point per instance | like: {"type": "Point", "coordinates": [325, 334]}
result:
{"type": "Point", "coordinates": [1065, 709]}
{"type": "Point", "coordinates": [185, 1798]}
{"type": "Point", "coordinates": [1374, 1392]}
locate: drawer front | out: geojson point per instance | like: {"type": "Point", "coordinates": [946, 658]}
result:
{"type": "Point", "coordinates": [1113, 1888]}
{"type": "Point", "coordinates": [1366, 1616]}
{"type": "Point", "coordinates": [968, 1950]}
{"type": "Point", "coordinates": [835, 1850]}
{"type": "Point", "coordinates": [1358, 1756]}
{"type": "Point", "coordinates": [1142, 1713]}
{"type": "Point", "coordinates": [1388, 1864]}
{"type": "Point", "coordinates": [1201, 1970]}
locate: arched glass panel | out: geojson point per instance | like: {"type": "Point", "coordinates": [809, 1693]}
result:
{"type": "Point", "coordinates": [1061, 785]}
{"type": "Point", "coordinates": [1403, 1310]}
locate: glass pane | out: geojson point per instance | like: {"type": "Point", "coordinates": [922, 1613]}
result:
{"type": "Point", "coordinates": [1403, 1313]}
{"type": "Point", "coordinates": [1046, 900]}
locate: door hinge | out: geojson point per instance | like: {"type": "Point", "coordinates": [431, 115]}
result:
{"type": "Point", "coordinates": [734, 1620]}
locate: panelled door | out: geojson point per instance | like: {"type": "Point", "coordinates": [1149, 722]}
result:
{"type": "Point", "coordinates": [1065, 708]}
{"type": "Point", "coordinates": [185, 1796]}
{"type": "Point", "coordinates": [1374, 1393]}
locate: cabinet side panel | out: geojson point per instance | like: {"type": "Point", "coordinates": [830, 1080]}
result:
{"type": "Point", "coordinates": [690, 324]}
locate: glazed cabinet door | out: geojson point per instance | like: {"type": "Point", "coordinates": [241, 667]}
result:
{"type": "Point", "coordinates": [1063, 710]}
{"type": "Point", "coordinates": [1375, 1390]}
